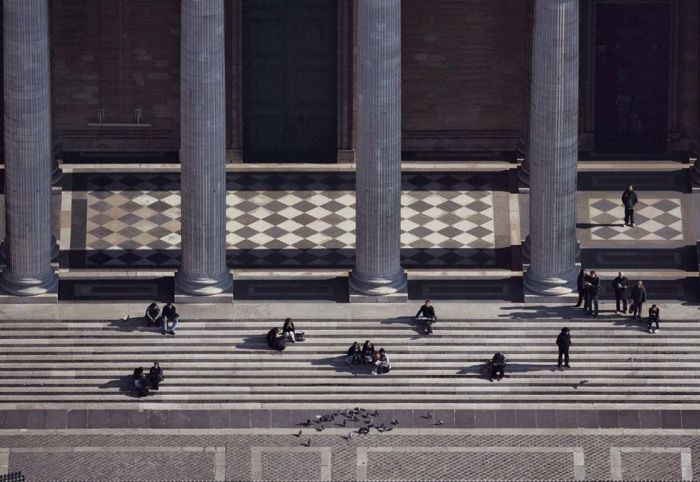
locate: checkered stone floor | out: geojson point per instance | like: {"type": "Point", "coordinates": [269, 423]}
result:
{"type": "Point", "coordinates": [655, 220]}
{"type": "Point", "coordinates": [290, 220]}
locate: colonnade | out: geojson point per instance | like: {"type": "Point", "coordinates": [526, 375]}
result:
{"type": "Point", "coordinates": [377, 275]}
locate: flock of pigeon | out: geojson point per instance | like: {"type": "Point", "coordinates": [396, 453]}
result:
{"type": "Point", "coordinates": [361, 415]}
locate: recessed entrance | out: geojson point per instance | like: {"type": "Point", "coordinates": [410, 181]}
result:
{"type": "Point", "coordinates": [632, 77]}
{"type": "Point", "coordinates": [289, 80]}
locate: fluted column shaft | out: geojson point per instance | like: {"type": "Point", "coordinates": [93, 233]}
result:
{"type": "Point", "coordinates": [378, 180]}
{"type": "Point", "coordinates": [28, 150]}
{"type": "Point", "coordinates": [553, 147]}
{"type": "Point", "coordinates": [203, 150]}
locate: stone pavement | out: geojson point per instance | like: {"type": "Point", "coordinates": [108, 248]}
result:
{"type": "Point", "coordinates": [403, 454]}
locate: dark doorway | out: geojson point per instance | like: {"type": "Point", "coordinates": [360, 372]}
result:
{"type": "Point", "coordinates": [289, 80]}
{"type": "Point", "coordinates": [632, 77]}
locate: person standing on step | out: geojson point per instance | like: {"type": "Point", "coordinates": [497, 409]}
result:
{"type": "Point", "coordinates": [426, 313]}
{"type": "Point", "coordinates": [653, 318]}
{"type": "Point", "coordinates": [639, 296]}
{"type": "Point", "coordinates": [619, 285]}
{"type": "Point", "coordinates": [629, 199]}
{"type": "Point", "coordinates": [592, 286]}
{"type": "Point", "coordinates": [581, 287]}
{"type": "Point", "coordinates": [170, 319]}
{"type": "Point", "coordinates": [564, 342]}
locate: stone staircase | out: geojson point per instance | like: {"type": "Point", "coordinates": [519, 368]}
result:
{"type": "Point", "coordinates": [227, 364]}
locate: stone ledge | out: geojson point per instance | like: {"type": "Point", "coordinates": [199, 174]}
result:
{"type": "Point", "coordinates": [192, 299]}
{"type": "Point", "coordinates": [46, 298]}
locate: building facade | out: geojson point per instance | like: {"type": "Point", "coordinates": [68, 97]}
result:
{"type": "Point", "coordinates": [323, 81]}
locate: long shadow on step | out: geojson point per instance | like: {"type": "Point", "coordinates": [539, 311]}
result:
{"type": "Point", "coordinates": [415, 325]}
{"type": "Point", "coordinates": [137, 323]}
{"type": "Point", "coordinates": [541, 311]}
{"type": "Point", "coordinates": [341, 366]}
{"type": "Point", "coordinates": [122, 384]}
{"type": "Point", "coordinates": [483, 370]}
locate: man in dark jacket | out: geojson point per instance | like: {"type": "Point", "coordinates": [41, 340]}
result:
{"type": "Point", "coordinates": [581, 287]}
{"type": "Point", "coordinates": [498, 366]}
{"type": "Point", "coordinates": [619, 285]}
{"type": "Point", "coordinates": [629, 199]}
{"type": "Point", "coordinates": [592, 286]}
{"type": "Point", "coordinates": [427, 314]}
{"type": "Point", "coordinates": [564, 342]}
{"type": "Point", "coordinates": [639, 296]}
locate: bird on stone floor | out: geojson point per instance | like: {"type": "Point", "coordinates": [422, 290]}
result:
{"type": "Point", "coordinates": [297, 434]}
{"type": "Point", "coordinates": [388, 429]}
{"type": "Point", "coordinates": [363, 431]}
{"type": "Point", "coordinates": [394, 422]}
{"type": "Point", "coordinates": [375, 413]}
{"type": "Point", "coordinates": [308, 443]}
{"type": "Point", "coordinates": [427, 415]}
{"type": "Point", "coordinates": [320, 429]}
{"type": "Point", "coordinates": [440, 422]}
{"type": "Point", "coordinates": [348, 436]}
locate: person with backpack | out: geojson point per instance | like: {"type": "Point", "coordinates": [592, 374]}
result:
{"type": "Point", "coordinates": [153, 314]}
{"type": "Point", "coordinates": [564, 342]}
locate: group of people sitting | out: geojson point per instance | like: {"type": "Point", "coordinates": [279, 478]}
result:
{"type": "Point", "coordinates": [141, 383]}
{"type": "Point", "coordinates": [168, 319]}
{"type": "Point", "coordinates": [277, 338]}
{"type": "Point", "coordinates": [368, 355]}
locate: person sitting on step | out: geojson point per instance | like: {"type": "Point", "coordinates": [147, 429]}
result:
{"type": "Point", "coordinates": [653, 318]}
{"type": "Point", "coordinates": [288, 330]}
{"type": "Point", "coordinates": [354, 354]}
{"type": "Point", "coordinates": [170, 319]}
{"type": "Point", "coordinates": [275, 339]}
{"type": "Point", "coordinates": [383, 364]}
{"type": "Point", "coordinates": [153, 314]}
{"type": "Point", "coordinates": [498, 366]}
{"type": "Point", "coordinates": [139, 383]}
{"type": "Point", "coordinates": [426, 313]}
{"type": "Point", "coordinates": [155, 375]}
{"type": "Point", "coordinates": [368, 352]}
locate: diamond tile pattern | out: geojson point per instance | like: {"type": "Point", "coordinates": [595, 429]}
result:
{"type": "Point", "coordinates": [655, 220]}
{"type": "Point", "coordinates": [290, 220]}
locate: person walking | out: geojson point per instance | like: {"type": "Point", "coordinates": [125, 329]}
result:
{"type": "Point", "coordinates": [581, 287]}
{"type": "Point", "coordinates": [629, 199]}
{"type": "Point", "coordinates": [564, 342]}
{"type": "Point", "coordinates": [653, 318]}
{"type": "Point", "coordinates": [619, 285]}
{"type": "Point", "coordinates": [639, 296]}
{"type": "Point", "coordinates": [592, 291]}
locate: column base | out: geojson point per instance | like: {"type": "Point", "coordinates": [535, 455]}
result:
{"type": "Point", "coordinates": [378, 290]}
{"type": "Point", "coordinates": [30, 288]}
{"type": "Point", "coordinates": [203, 290]}
{"type": "Point", "coordinates": [554, 286]}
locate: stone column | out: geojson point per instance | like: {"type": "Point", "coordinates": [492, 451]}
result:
{"type": "Point", "coordinates": [203, 152]}
{"type": "Point", "coordinates": [378, 275]}
{"type": "Point", "coordinates": [553, 147]}
{"type": "Point", "coordinates": [28, 149]}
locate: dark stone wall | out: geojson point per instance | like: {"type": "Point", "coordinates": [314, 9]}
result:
{"type": "Point", "coordinates": [117, 55]}
{"type": "Point", "coordinates": [465, 73]}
